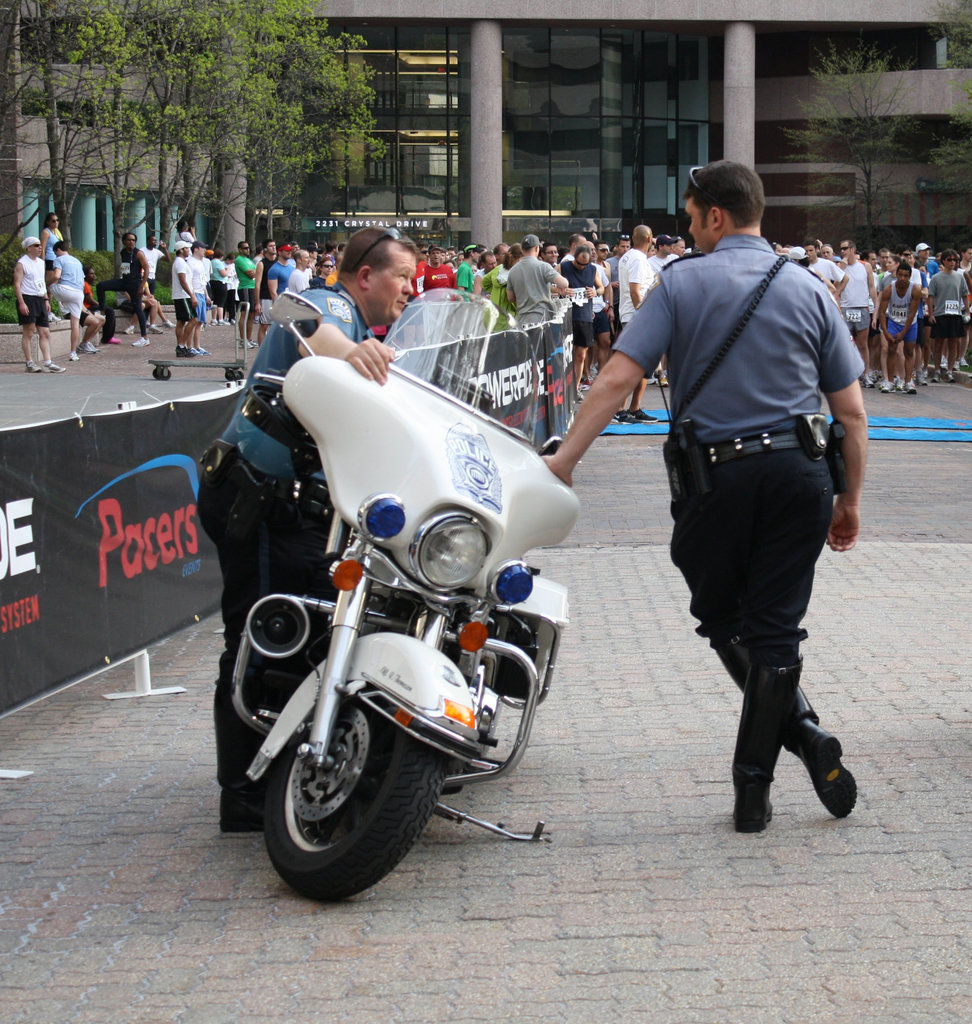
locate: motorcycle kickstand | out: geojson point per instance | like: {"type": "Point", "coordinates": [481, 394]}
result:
{"type": "Point", "coordinates": [451, 814]}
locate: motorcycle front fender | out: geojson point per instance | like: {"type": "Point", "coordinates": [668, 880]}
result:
{"type": "Point", "coordinates": [410, 672]}
{"type": "Point", "coordinates": [297, 710]}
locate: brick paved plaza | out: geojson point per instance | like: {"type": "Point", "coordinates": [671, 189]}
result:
{"type": "Point", "coordinates": [121, 902]}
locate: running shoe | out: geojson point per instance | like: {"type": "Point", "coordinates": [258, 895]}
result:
{"type": "Point", "coordinates": [74, 357]}
{"type": "Point", "coordinates": [51, 368]}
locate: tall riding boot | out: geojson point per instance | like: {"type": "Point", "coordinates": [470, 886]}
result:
{"type": "Point", "coordinates": [241, 800]}
{"type": "Point", "coordinates": [819, 751]}
{"type": "Point", "coordinates": [767, 704]}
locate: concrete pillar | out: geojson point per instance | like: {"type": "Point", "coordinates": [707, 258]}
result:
{"type": "Point", "coordinates": [486, 142]}
{"type": "Point", "coordinates": [739, 91]}
{"type": "Point", "coordinates": [135, 214]}
{"type": "Point", "coordinates": [84, 222]}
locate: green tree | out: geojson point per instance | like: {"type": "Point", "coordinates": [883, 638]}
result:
{"type": "Point", "coordinates": [854, 125]}
{"type": "Point", "coordinates": [177, 100]}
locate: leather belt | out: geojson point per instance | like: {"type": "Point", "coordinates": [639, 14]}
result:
{"type": "Point", "coordinates": [741, 447]}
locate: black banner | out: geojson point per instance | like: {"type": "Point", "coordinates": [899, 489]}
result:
{"type": "Point", "coordinates": [101, 551]}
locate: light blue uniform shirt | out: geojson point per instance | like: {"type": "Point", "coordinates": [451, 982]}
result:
{"type": "Point", "coordinates": [795, 346]}
{"type": "Point", "coordinates": [279, 351]}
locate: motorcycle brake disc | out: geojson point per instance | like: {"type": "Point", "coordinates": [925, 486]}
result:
{"type": "Point", "coordinates": [318, 792]}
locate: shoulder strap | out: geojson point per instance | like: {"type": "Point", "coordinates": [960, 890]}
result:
{"type": "Point", "coordinates": [737, 330]}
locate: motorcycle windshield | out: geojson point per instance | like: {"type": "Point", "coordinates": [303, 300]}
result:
{"type": "Point", "coordinates": [467, 348]}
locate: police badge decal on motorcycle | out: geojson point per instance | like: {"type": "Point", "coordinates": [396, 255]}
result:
{"type": "Point", "coordinates": [474, 471]}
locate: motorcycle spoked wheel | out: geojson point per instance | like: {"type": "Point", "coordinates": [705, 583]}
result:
{"type": "Point", "coordinates": [334, 833]}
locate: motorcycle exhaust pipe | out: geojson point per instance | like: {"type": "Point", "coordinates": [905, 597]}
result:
{"type": "Point", "coordinates": [278, 626]}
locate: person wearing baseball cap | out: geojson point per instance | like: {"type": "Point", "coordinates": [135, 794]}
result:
{"type": "Point", "coordinates": [663, 253]}
{"type": "Point", "coordinates": [438, 273]}
{"type": "Point", "coordinates": [183, 299]}
{"type": "Point", "coordinates": [533, 283]}
{"type": "Point", "coordinates": [466, 271]}
{"type": "Point", "coordinates": [924, 261]}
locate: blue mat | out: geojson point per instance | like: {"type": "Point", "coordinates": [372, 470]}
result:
{"type": "Point", "coordinates": [880, 428]}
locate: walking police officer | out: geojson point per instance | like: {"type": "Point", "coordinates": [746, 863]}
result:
{"type": "Point", "coordinates": [279, 545]}
{"type": "Point", "coordinates": [753, 497]}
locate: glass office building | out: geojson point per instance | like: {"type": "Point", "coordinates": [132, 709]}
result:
{"type": "Point", "coordinates": [599, 127]}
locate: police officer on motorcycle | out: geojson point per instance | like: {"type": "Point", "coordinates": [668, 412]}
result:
{"type": "Point", "coordinates": [753, 483]}
{"type": "Point", "coordinates": [270, 534]}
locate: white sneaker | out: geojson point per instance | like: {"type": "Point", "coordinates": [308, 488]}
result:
{"type": "Point", "coordinates": [168, 323]}
{"type": "Point", "coordinates": [32, 367]}
{"type": "Point", "coordinates": [156, 329]}
{"type": "Point", "coordinates": [53, 318]}
{"type": "Point", "coordinates": [130, 329]}
{"type": "Point", "coordinates": [51, 368]}
{"type": "Point", "coordinates": [74, 357]}
{"type": "Point", "coordinates": [141, 343]}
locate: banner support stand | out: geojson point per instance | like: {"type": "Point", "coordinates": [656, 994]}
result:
{"type": "Point", "coordinates": [143, 680]}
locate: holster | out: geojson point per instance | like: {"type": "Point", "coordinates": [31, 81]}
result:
{"type": "Point", "coordinates": [217, 460]}
{"type": "Point", "coordinates": [813, 431]}
{"type": "Point", "coordinates": [835, 457]}
{"type": "Point", "coordinates": [687, 470]}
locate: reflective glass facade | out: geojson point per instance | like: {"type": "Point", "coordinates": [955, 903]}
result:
{"type": "Point", "coordinates": [599, 126]}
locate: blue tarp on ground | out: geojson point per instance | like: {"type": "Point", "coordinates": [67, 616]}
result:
{"type": "Point", "coordinates": [880, 428]}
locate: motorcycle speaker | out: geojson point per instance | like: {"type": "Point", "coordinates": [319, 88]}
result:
{"type": "Point", "coordinates": [278, 626]}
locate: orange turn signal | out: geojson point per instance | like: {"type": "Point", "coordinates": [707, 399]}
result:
{"type": "Point", "coordinates": [403, 717]}
{"type": "Point", "coordinates": [473, 636]}
{"type": "Point", "coordinates": [459, 713]}
{"type": "Point", "coordinates": [347, 574]}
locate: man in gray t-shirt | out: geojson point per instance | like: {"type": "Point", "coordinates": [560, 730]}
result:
{"type": "Point", "coordinates": [532, 283]}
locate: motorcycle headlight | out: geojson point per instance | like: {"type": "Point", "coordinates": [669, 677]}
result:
{"type": "Point", "coordinates": [449, 551]}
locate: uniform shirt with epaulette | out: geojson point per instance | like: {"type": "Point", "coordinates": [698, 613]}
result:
{"type": "Point", "coordinates": [278, 352]}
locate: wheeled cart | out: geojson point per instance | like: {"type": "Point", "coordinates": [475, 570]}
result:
{"type": "Point", "coordinates": [233, 369]}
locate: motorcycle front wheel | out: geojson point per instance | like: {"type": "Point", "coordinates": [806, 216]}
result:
{"type": "Point", "coordinates": [335, 832]}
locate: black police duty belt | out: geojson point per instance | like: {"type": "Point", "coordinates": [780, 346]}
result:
{"type": "Point", "coordinates": [742, 447]}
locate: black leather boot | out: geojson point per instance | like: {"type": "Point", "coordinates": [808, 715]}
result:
{"type": "Point", "coordinates": [767, 705]}
{"type": "Point", "coordinates": [241, 800]}
{"type": "Point", "coordinates": [819, 751]}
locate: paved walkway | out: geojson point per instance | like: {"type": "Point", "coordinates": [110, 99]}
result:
{"type": "Point", "coordinates": [121, 902]}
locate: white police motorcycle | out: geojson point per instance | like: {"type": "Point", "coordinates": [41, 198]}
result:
{"type": "Point", "coordinates": [426, 671]}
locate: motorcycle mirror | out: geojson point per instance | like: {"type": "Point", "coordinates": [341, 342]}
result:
{"type": "Point", "coordinates": [290, 310]}
{"type": "Point", "coordinates": [550, 446]}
